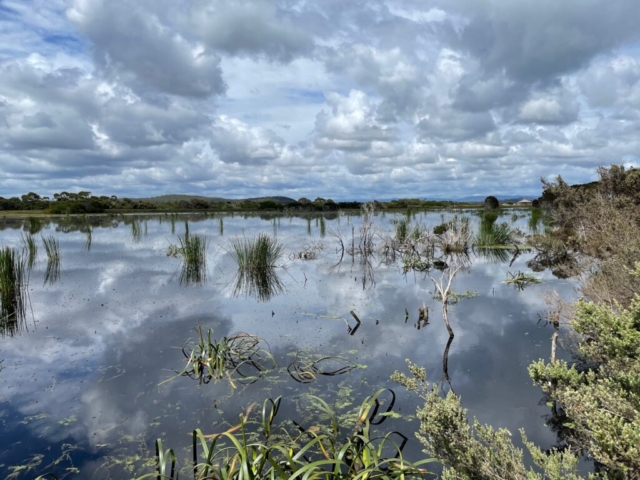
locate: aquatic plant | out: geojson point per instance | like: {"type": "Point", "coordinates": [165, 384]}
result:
{"type": "Point", "coordinates": [457, 237]}
{"type": "Point", "coordinates": [521, 280]}
{"type": "Point", "coordinates": [193, 249]}
{"type": "Point", "coordinates": [255, 255]}
{"type": "Point", "coordinates": [30, 247]}
{"type": "Point", "coordinates": [314, 452]}
{"type": "Point", "coordinates": [238, 358]}
{"type": "Point", "coordinates": [402, 229]}
{"type": "Point", "coordinates": [323, 226]}
{"type": "Point", "coordinates": [52, 248]}
{"type": "Point", "coordinates": [491, 235]}
{"type": "Point", "coordinates": [13, 289]}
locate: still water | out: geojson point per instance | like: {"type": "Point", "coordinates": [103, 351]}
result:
{"type": "Point", "coordinates": [80, 392]}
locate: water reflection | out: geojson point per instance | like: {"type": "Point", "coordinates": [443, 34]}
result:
{"type": "Point", "coordinates": [96, 392]}
{"type": "Point", "coordinates": [261, 284]}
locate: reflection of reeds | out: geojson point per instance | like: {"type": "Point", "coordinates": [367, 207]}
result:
{"type": "Point", "coordinates": [52, 247]}
{"type": "Point", "coordinates": [323, 227]}
{"type": "Point", "coordinates": [13, 270]}
{"type": "Point", "coordinates": [88, 231]}
{"type": "Point", "coordinates": [30, 247]}
{"type": "Point", "coordinates": [193, 249]}
{"type": "Point", "coordinates": [136, 231]}
{"type": "Point", "coordinates": [221, 226]}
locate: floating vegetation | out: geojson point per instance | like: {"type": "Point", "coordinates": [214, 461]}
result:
{"type": "Point", "coordinates": [13, 290]}
{"type": "Point", "coordinates": [521, 280]}
{"type": "Point", "coordinates": [309, 252]}
{"type": "Point", "coordinates": [455, 297]}
{"type": "Point", "coordinates": [52, 248]}
{"type": "Point", "coordinates": [304, 453]}
{"type": "Point", "coordinates": [30, 247]}
{"type": "Point", "coordinates": [193, 249]}
{"type": "Point", "coordinates": [307, 370]}
{"type": "Point", "coordinates": [238, 358]}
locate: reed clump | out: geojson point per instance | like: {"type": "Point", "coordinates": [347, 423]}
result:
{"type": "Point", "coordinates": [258, 254]}
{"type": "Point", "coordinates": [521, 280]}
{"type": "Point", "coordinates": [13, 289]}
{"type": "Point", "coordinates": [193, 250]}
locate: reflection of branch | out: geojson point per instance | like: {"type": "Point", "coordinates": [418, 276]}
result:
{"type": "Point", "coordinates": [445, 364]}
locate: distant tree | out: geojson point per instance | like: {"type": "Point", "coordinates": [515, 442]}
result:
{"type": "Point", "coordinates": [491, 202]}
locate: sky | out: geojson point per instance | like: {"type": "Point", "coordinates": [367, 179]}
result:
{"type": "Point", "coordinates": [356, 99]}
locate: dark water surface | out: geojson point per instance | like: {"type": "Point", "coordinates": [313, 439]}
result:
{"type": "Point", "coordinates": [79, 387]}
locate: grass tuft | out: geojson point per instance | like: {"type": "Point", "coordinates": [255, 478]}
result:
{"type": "Point", "coordinates": [13, 290]}
{"type": "Point", "coordinates": [52, 248]}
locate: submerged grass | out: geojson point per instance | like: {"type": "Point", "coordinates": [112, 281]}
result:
{"type": "Point", "coordinates": [256, 449]}
{"type": "Point", "coordinates": [13, 290]}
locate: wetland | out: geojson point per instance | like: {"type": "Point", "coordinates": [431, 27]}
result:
{"type": "Point", "coordinates": [133, 328]}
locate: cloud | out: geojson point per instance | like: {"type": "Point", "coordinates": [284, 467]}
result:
{"type": "Point", "coordinates": [533, 39]}
{"type": "Point", "coordinates": [250, 28]}
{"type": "Point", "coordinates": [315, 98]}
{"type": "Point", "coordinates": [138, 47]}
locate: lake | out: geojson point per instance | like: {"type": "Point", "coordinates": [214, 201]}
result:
{"type": "Point", "coordinates": [81, 392]}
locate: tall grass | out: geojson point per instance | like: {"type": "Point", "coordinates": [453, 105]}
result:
{"type": "Point", "coordinates": [495, 234]}
{"type": "Point", "coordinates": [13, 290]}
{"type": "Point", "coordinates": [256, 259]}
{"type": "Point", "coordinates": [258, 254]}
{"type": "Point", "coordinates": [30, 247]}
{"type": "Point", "coordinates": [259, 449]}
{"type": "Point", "coordinates": [193, 249]}
{"type": "Point", "coordinates": [52, 248]}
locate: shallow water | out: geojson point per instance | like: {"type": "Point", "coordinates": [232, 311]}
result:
{"type": "Point", "coordinates": [79, 388]}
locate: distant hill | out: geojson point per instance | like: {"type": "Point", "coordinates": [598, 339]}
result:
{"type": "Point", "coordinates": [178, 197]}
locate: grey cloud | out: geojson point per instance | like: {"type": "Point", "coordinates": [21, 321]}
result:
{"type": "Point", "coordinates": [539, 39]}
{"type": "Point", "coordinates": [137, 47]}
{"type": "Point", "coordinates": [452, 125]}
{"type": "Point", "coordinates": [251, 28]}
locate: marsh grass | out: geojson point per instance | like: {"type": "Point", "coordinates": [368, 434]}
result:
{"type": "Point", "coordinates": [238, 358]}
{"type": "Point", "coordinates": [193, 250]}
{"type": "Point", "coordinates": [260, 449]}
{"type": "Point", "coordinates": [491, 235]}
{"type": "Point", "coordinates": [13, 290]}
{"type": "Point", "coordinates": [256, 259]}
{"type": "Point", "coordinates": [257, 254]}
{"type": "Point", "coordinates": [30, 247]}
